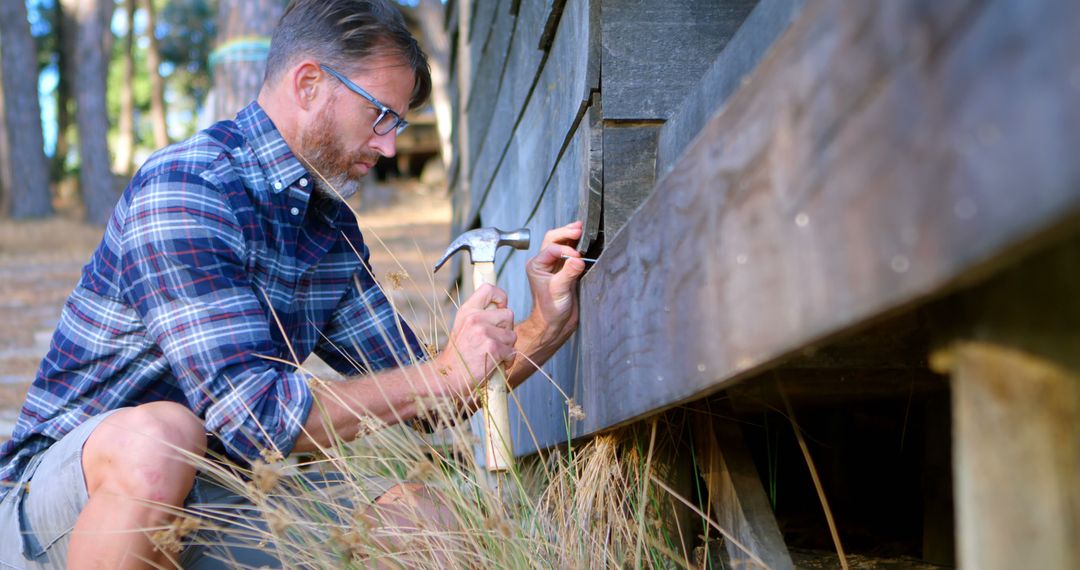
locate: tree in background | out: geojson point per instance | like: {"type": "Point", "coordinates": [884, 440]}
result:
{"type": "Point", "coordinates": [5, 157]}
{"type": "Point", "coordinates": [99, 189]}
{"type": "Point", "coordinates": [239, 60]}
{"type": "Point", "coordinates": [125, 122]}
{"type": "Point", "coordinates": [157, 83]}
{"type": "Point", "coordinates": [29, 172]}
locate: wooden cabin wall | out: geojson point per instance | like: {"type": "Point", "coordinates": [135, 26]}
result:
{"type": "Point", "coordinates": [542, 88]}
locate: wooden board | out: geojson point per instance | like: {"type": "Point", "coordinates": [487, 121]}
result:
{"type": "Point", "coordinates": [882, 154]}
{"type": "Point", "coordinates": [545, 407]}
{"type": "Point", "coordinates": [654, 51]}
{"type": "Point", "coordinates": [487, 77]}
{"type": "Point", "coordinates": [524, 63]}
{"type": "Point", "coordinates": [549, 123]}
{"type": "Point", "coordinates": [734, 493]}
{"type": "Point", "coordinates": [555, 106]}
{"type": "Point", "coordinates": [629, 170]}
{"type": "Point", "coordinates": [1010, 346]}
{"type": "Point", "coordinates": [740, 56]}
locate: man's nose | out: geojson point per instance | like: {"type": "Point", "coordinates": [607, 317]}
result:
{"type": "Point", "coordinates": [386, 144]}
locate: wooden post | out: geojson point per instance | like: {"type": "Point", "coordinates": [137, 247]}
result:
{"type": "Point", "coordinates": [737, 500]}
{"type": "Point", "coordinates": [1017, 461]}
{"type": "Point", "coordinates": [1016, 416]}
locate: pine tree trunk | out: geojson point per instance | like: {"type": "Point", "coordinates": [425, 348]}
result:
{"type": "Point", "coordinates": [157, 83]}
{"type": "Point", "coordinates": [18, 59]}
{"type": "Point", "coordinates": [244, 29]}
{"type": "Point", "coordinates": [125, 124]}
{"type": "Point", "coordinates": [5, 158]}
{"type": "Point", "coordinates": [96, 181]}
{"type": "Point", "coordinates": [65, 31]}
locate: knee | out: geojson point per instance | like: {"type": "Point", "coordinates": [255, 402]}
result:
{"type": "Point", "coordinates": [418, 504]}
{"type": "Point", "coordinates": [146, 452]}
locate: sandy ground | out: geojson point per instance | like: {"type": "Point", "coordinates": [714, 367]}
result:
{"type": "Point", "coordinates": [406, 225]}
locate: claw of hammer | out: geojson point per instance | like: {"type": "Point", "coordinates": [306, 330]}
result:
{"type": "Point", "coordinates": [481, 244]}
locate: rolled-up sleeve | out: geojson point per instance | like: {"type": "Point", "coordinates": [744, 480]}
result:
{"type": "Point", "coordinates": [366, 334]}
{"type": "Point", "coordinates": [183, 270]}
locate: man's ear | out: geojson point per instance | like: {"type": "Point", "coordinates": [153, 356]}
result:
{"type": "Point", "coordinates": [307, 83]}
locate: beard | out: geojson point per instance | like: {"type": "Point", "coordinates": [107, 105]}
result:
{"type": "Point", "coordinates": [328, 164]}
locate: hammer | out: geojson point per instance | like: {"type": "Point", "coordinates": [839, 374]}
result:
{"type": "Point", "coordinates": [481, 244]}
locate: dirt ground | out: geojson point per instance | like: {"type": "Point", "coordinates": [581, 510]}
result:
{"type": "Point", "coordinates": [406, 225]}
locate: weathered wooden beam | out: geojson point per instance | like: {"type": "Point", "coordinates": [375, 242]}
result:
{"type": "Point", "coordinates": [1017, 468]}
{"type": "Point", "coordinates": [881, 155]}
{"type": "Point", "coordinates": [629, 169]}
{"type": "Point", "coordinates": [736, 499]}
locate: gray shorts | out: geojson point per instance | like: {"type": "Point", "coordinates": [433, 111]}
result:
{"type": "Point", "coordinates": [38, 514]}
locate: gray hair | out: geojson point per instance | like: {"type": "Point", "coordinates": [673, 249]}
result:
{"type": "Point", "coordinates": [340, 33]}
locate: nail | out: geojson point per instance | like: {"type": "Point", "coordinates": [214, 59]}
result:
{"type": "Point", "coordinates": [588, 259]}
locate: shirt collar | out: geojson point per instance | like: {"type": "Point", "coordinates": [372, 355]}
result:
{"type": "Point", "coordinates": [278, 163]}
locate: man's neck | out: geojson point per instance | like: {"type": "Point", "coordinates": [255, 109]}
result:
{"type": "Point", "coordinates": [276, 108]}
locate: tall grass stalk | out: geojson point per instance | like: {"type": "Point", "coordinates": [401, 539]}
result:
{"type": "Point", "coordinates": [592, 505]}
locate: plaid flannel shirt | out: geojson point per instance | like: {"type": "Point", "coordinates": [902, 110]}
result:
{"type": "Point", "coordinates": [215, 242]}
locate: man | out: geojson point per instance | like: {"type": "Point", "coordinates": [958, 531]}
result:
{"type": "Point", "coordinates": [227, 254]}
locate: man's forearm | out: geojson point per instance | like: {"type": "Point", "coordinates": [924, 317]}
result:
{"type": "Point", "coordinates": [535, 345]}
{"type": "Point", "coordinates": [350, 407]}
{"type": "Point", "coordinates": [346, 408]}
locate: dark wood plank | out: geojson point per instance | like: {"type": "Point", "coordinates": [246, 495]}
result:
{"type": "Point", "coordinates": [552, 115]}
{"type": "Point", "coordinates": [592, 193]}
{"type": "Point", "coordinates": [523, 68]}
{"type": "Point", "coordinates": [654, 51]}
{"type": "Point", "coordinates": [549, 93]}
{"type": "Point", "coordinates": [881, 155]}
{"type": "Point", "coordinates": [740, 56]}
{"type": "Point", "coordinates": [480, 25]}
{"type": "Point", "coordinates": [629, 170]}
{"type": "Point", "coordinates": [488, 75]}
{"type": "Point", "coordinates": [544, 405]}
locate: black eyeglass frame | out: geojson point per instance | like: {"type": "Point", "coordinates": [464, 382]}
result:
{"type": "Point", "coordinates": [398, 123]}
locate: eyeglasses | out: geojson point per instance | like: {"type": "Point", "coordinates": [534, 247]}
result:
{"type": "Point", "coordinates": [388, 119]}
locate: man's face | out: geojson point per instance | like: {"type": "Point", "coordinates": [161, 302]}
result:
{"type": "Point", "coordinates": [339, 144]}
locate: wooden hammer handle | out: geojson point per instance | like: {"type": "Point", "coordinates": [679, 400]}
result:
{"type": "Point", "coordinates": [497, 443]}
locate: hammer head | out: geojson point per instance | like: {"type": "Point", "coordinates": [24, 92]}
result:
{"type": "Point", "coordinates": [481, 244]}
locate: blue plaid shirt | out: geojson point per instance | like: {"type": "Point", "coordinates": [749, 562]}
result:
{"type": "Point", "coordinates": [215, 242]}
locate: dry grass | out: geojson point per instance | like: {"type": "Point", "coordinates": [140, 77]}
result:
{"type": "Point", "coordinates": [585, 507]}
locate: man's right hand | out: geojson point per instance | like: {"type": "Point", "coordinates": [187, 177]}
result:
{"type": "Point", "coordinates": [479, 339]}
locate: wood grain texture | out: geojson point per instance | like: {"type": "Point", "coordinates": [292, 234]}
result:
{"type": "Point", "coordinates": [544, 406]}
{"type": "Point", "coordinates": [654, 51]}
{"type": "Point", "coordinates": [629, 170]}
{"type": "Point", "coordinates": [524, 64]}
{"type": "Point", "coordinates": [881, 154]}
{"type": "Point", "coordinates": [487, 76]}
{"type": "Point", "coordinates": [554, 107]}
{"type": "Point", "coordinates": [740, 56]}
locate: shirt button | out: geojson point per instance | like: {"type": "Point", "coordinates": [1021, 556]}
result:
{"type": "Point", "coordinates": [303, 182]}
{"type": "Point", "coordinates": [277, 186]}
{"type": "Point", "coordinates": [295, 211]}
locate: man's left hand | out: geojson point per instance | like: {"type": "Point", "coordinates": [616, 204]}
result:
{"type": "Point", "coordinates": [553, 280]}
